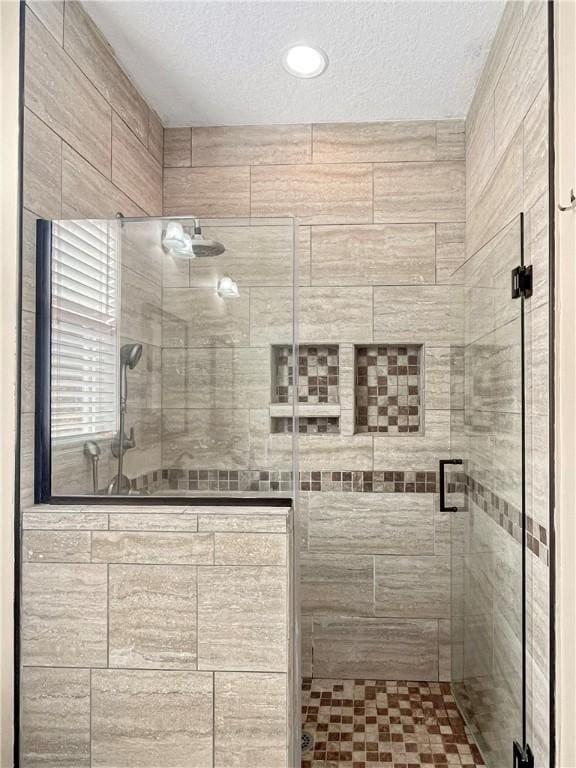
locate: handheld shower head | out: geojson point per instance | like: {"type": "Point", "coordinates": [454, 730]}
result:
{"type": "Point", "coordinates": [130, 355]}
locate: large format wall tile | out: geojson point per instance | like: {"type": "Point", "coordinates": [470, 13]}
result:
{"type": "Point", "coordinates": [142, 315]}
{"type": "Point", "coordinates": [155, 136]}
{"type": "Point", "coordinates": [55, 727]}
{"type": "Point", "coordinates": [536, 149]}
{"type": "Point", "coordinates": [377, 254]}
{"type": "Point", "coordinates": [85, 44]}
{"type": "Point", "coordinates": [51, 14]}
{"type": "Point", "coordinates": [134, 170]}
{"type": "Point", "coordinates": [207, 191]}
{"type": "Point", "coordinates": [242, 618]}
{"type": "Point", "coordinates": [148, 719]}
{"type": "Point", "coordinates": [177, 147]}
{"type": "Point", "coordinates": [63, 97]}
{"type": "Point", "coordinates": [415, 314]}
{"type": "Point", "coordinates": [198, 317]}
{"type": "Point", "coordinates": [419, 192]}
{"type": "Point", "coordinates": [327, 314]}
{"type": "Point", "coordinates": [366, 523]}
{"type": "Point", "coordinates": [250, 725]}
{"type": "Point", "coordinates": [86, 193]}
{"type": "Point", "coordinates": [141, 248]}
{"type": "Point", "coordinates": [315, 194]}
{"type": "Point", "coordinates": [152, 612]}
{"type": "Point", "coordinates": [412, 586]}
{"type": "Point", "coordinates": [56, 546]}
{"type": "Point", "coordinates": [42, 164]}
{"type": "Point", "coordinates": [450, 250]}
{"type": "Point", "coordinates": [390, 649]}
{"type": "Point", "coordinates": [374, 142]}
{"type": "Point", "coordinates": [154, 522]}
{"type": "Point", "coordinates": [152, 547]}
{"type": "Point", "coordinates": [250, 548]}
{"type": "Point", "coordinates": [415, 451]}
{"type": "Point", "coordinates": [335, 584]}
{"type": "Point", "coordinates": [205, 439]}
{"type": "Point", "coordinates": [450, 140]}
{"type": "Point", "coordinates": [252, 145]}
{"type": "Point", "coordinates": [64, 615]}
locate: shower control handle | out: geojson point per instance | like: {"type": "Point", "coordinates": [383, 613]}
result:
{"type": "Point", "coordinates": [443, 462]}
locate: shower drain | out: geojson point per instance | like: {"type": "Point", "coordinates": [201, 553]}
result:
{"type": "Point", "coordinates": [307, 742]}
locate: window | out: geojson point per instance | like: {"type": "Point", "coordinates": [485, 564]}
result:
{"type": "Point", "coordinates": [85, 308]}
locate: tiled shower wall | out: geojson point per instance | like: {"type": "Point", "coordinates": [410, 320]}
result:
{"type": "Point", "coordinates": [382, 210]}
{"type": "Point", "coordinates": [507, 173]}
{"type": "Point", "coordinates": [92, 148]}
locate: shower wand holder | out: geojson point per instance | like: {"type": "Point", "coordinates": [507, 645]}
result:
{"type": "Point", "coordinates": [122, 443]}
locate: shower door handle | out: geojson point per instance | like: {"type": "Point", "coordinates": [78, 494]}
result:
{"type": "Point", "coordinates": [443, 507]}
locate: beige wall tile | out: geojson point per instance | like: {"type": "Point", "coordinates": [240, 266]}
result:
{"type": "Point", "coordinates": [88, 48]}
{"type": "Point", "coordinates": [242, 618]}
{"type": "Point", "coordinates": [28, 261]}
{"type": "Point", "coordinates": [207, 191]}
{"type": "Point", "coordinates": [42, 183]}
{"type": "Point", "coordinates": [417, 314]}
{"type": "Point", "coordinates": [450, 140]}
{"type": "Point", "coordinates": [245, 523]}
{"type": "Point", "coordinates": [197, 378]}
{"type": "Point", "coordinates": [445, 652]}
{"type": "Point", "coordinates": [152, 548]}
{"type": "Point", "coordinates": [51, 14]}
{"type": "Point", "coordinates": [141, 308]}
{"type": "Point", "coordinates": [198, 439]}
{"type": "Point", "coordinates": [419, 192]}
{"type": "Point", "coordinates": [412, 586]}
{"type": "Point", "coordinates": [336, 584]}
{"type": "Point", "coordinates": [536, 150]}
{"type": "Point", "coordinates": [198, 317]}
{"type": "Point", "coordinates": [63, 97]}
{"type": "Point", "coordinates": [450, 250]}
{"type": "Point", "coordinates": [415, 452]}
{"type": "Point", "coordinates": [28, 362]}
{"type": "Point", "coordinates": [250, 548]}
{"type": "Point", "coordinates": [437, 377]}
{"type": "Point", "coordinates": [64, 620]}
{"type": "Point", "coordinates": [252, 145]}
{"type": "Point", "coordinates": [71, 519]}
{"type": "Point", "coordinates": [154, 522]}
{"type": "Point", "coordinates": [56, 546]}
{"type": "Point", "coordinates": [88, 194]}
{"type": "Point", "coordinates": [134, 169]}
{"type": "Point", "coordinates": [55, 718]}
{"type": "Point", "coordinates": [326, 314]}
{"type": "Point", "coordinates": [155, 136]}
{"type": "Point", "coordinates": [177, 147]}
{"type": "Point", "coordinates": [500, 201]}
{"type": "Point", "coordinates": [389, 649]}
{"type": "Point", "coordinates": [152, 614]}
{"type": "Point", "coordinates": [141, 243]}
{"type": "Point", "coordinates": [523, 75]}
{"type": "Point", "coordinates": [250, 723]}
{"type": "Point", "coordinates": [374, 142]}
{"type": "Point", "coordinates": [376, 254]}
{"type": "Point", "coordinates": [321, 194]}
{"type": "Point", "coordinates": [306, 645]}
{"type": "Point", "coordinates": [366, 523]}
{"type": "Point", "coordinates": [480, 152]}
{"type": "Point", "coordinates": [143, 718]}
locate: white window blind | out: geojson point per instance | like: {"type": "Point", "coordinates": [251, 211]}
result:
{"type": "Point", "coordinates": [85, 309]}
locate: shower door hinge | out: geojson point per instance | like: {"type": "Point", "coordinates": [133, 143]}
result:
{"type": "Point", "coordinates": [522, 282]}
{"type": "Point", "coordinates": [522, 758]}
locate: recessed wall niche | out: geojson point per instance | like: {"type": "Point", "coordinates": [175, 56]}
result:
{"type": "Point", "coordinates": [318, 389]}
{"type": "Point", "coordinates": [388, 388]}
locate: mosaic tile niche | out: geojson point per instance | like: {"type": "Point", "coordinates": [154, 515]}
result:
{"type": "Point", "coordinates": [388, 388]}
{"type": "Point", "coordinates": [318, 388]}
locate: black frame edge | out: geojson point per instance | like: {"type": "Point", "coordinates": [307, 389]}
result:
{"type": "Point", "coordinates": [42, 438]}
{"type": "Point", "coordinates": [172, 501]}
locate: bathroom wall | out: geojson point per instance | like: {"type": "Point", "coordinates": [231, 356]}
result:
{"type": "Point", "coordinates": [382, 209]}
{"type": "Point", "coordinates": [92, 147]}
{"type": "Point", "coordinates": [507, 173]}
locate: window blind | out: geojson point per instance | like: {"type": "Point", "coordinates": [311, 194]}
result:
{"type": "Point", "coordinates": [85, 310]}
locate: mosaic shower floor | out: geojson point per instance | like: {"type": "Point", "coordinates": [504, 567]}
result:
{"type": "Point", "coordinates": [384, 724]}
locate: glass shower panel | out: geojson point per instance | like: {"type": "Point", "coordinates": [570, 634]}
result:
{"type": "Point", "coordinates": [488, 553]}
{"type": "Point", "coordinates": [170, 342]}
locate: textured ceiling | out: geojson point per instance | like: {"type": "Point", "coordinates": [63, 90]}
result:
{"type": "Point", "coordinates": [218, 62]}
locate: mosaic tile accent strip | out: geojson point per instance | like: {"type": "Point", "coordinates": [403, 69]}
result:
{"type": "Point", "coordinates": [388, 389]}
{"type": "Point", "coordinates": [370, 482]}
{"type": "Point", "coordinates": [318, 374]}
{"type": "Point", "coordinates": [307, 425]}
{"type": "Point", "coordinates": [509, 517]}
{"type": "Point", "coordinates": [385, 724]}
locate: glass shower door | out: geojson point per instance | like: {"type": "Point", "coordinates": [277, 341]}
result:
{"type": "Point", "coordinates": [488, 530]}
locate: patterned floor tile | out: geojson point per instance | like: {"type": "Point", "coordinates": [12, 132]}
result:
{"type": "Point", "coordinates": [384, 724]}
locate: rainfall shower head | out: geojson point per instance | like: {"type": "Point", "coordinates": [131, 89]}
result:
{"type": "Point", "coordinates": [177, 242]}
{"type": "Point", "coordinates": [130, 355]}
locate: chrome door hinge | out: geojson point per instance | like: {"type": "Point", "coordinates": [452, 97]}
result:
{"type": "Point", "coordinates": [522, 282]}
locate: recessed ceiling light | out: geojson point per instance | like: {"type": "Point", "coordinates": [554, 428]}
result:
{"type": "Point", "coordinates": [304, 61]}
